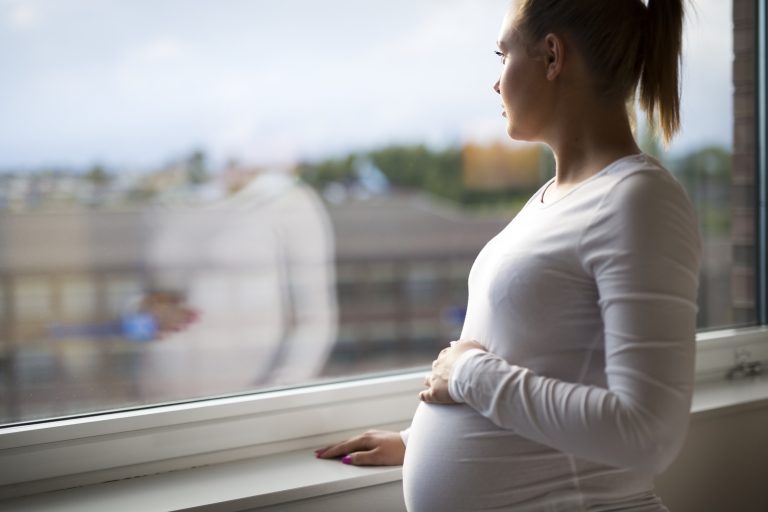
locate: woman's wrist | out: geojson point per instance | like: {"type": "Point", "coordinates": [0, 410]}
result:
{"type": "Point", "coordinates": [456, 378]}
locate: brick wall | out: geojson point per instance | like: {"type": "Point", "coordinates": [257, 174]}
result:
{"type": "Point", "coordinates": [744, 162]}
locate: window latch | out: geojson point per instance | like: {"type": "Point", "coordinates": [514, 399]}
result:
{"type": "Point", "coordinates": [744, 367]}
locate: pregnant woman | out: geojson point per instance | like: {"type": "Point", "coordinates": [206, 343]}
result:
{"type": "Point", "coordinates": [571, 384]}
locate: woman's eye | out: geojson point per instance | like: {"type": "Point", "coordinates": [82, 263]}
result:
{"type": "Point", "coordinates": [500, 55]}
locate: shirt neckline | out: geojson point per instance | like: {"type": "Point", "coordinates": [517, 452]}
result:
{"type": "Point", "coordinates": [540, 194]}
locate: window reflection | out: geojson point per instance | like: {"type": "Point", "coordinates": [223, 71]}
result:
{"type": "Point", "coordinates": [322, 214]}
{"type": "Point", "coordinates": [241, 290]}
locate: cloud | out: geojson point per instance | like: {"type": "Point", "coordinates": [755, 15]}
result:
{"type": "Point", "coordinates": [24, 15]}
{"type": "Point", "coordinates": [146, 78]}
{"type": "Point", "coordinates": [153, 67]}
{"type": "Point", "coordinates": [160, 50]}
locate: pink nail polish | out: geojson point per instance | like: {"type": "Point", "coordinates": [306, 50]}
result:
{"type": "Point", "coordinates": [347, 459]}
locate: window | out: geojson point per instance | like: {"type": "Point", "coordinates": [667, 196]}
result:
{"type": "Point", "coordinates": [86, 366]}
{"type": "Point", "coordinates": [289, 192]}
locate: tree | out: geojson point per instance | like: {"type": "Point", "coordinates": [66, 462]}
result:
{"type": "Point", "coordinates": [98, 176]}
{"type": "Point", "coordinates": [438, 172]}
{"type": "Point", "coordinates": [197, 171]}
{"type": "Point", "coordinates": [706, 175]}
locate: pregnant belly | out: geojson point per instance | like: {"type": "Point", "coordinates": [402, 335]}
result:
{"type": "Point", "coordinates": [458, 460]}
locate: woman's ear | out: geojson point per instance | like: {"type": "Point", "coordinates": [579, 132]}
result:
{"type": "Point", "coordinates": [554, 55]}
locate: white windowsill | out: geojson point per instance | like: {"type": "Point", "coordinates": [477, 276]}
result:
{"type": "Point", "coordinates": [223, 487]}
{"type": "Point", "coordinates": [295, 475]}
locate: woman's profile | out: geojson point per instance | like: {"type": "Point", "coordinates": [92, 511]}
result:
{"type": "Point", "coordinates": [571, 384]}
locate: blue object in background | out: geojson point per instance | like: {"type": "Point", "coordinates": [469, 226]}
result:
{"type": "Point", "coordinates": [456, 314]}
{"type": "Point", "coordinates": [136, 326]}
{"type": "Point", "coordinates": [139, 326]}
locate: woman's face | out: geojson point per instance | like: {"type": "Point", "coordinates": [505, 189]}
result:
{"type": "Point", "coordinates": [523, 86]}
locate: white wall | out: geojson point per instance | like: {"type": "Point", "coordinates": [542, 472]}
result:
{"type": "Point", "coordinates": [379, 498]}
{"type": "Point", "coordinates": [723, 466]}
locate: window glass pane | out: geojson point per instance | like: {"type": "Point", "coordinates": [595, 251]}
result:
{"type": "Point", "coordinates": [714, 155]}
{"type": "Point", "coordinates": [205, 198]}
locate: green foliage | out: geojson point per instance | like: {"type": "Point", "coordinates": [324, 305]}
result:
{"type": "Point", "coordinates": [197, 171]}
{"type": "Point", "coordinates": [417, 167]}
{"type": "Point", "coordinates": [414, 166]}
{"type": "Point", "coordinates": [709, 164]}
{"type": "Point", "coordinates": [706, 175]}
{"type": "Point", "coordinates": [98, 176]}
{"type": "Point", "coordinates": [323, 173]}
{"type": "Point", "coordinates": [140, 195]}
{"type": "Point", "coordinates": [437, 172]}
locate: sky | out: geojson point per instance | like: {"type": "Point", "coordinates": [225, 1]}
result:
{"type": "Point", "coordinates": [137, 83]}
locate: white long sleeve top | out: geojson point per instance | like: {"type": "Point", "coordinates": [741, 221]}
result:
{"type": "Point", "coordinates": [586, 307]}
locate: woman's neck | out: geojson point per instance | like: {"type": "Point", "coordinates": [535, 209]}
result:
{"type": "Point", "coordinates": [588, 139]}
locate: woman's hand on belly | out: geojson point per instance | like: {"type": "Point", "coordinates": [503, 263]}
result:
{"type": "Point", "coordinates": [437, 380]}
{"type": "Point", "coordinates": [373, 448]}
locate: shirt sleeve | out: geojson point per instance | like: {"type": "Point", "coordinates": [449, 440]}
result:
{"type": "Point", "coordinates": [643, 250]}
{"type": "Point", "coordinates": [306, 267]}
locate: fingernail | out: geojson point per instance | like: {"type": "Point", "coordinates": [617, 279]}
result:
{"type": "Point", "coordinates": [347, 459]}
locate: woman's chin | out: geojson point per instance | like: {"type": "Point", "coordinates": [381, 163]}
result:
{"type": "Point", "coordinates": [515, 133]}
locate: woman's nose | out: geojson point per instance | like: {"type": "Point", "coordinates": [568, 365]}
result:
{"type": "Point", "coordinates": [496, 87]}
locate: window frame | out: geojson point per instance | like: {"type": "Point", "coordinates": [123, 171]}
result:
{"type": "Point", "coordinates": [41, 457]}
{"type": "Point", "coordinates": [58, 454]}
{"type": "Point", "coordinates": [761, 159]}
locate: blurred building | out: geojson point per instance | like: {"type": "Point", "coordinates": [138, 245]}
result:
{"type": "Point", "coordinates": [743, 187]}
{"type": "Point", "coordinates": [402, 261]}
{"type": "Point", "coordinates": [402, 265]}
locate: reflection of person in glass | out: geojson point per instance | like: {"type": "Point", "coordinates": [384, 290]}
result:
{"type": "Point", "coordinates": [571, 384]}
{"type": "Point", "coordinates": [242, 291]}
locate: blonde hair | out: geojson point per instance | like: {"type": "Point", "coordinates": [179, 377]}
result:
{"type": "Point", "coordinates": [628, 46]}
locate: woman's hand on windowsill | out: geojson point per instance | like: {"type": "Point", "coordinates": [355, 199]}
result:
{"type": "Point", "coordinates": [373, 448]}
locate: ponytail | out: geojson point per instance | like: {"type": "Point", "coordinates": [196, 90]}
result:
{"type": "Point", "coordinates": [630, 47]}
{"type": "Point", "coordinates": [660, 78]}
